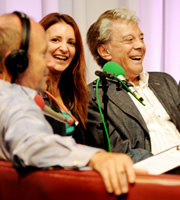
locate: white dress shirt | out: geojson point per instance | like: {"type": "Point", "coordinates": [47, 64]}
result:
{"type": "Point", "coordinates": [163, 133]}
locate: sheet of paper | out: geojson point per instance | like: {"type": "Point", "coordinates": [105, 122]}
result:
{"type": "Point", "coordinates": [161, 162]}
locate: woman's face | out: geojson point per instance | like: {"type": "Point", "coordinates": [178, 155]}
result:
{"type": "Point", "coordinates": [61, 43]}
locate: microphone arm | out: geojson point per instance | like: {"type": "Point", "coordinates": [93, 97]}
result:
{"type": "Point", "coordinates": [50, 112]}
{"type": "Point", "coordinates": [104, 74]}
{"type": "Point", "coordinates": [58, 116]}
{"type": "Point", "coordinates": [118, 71]}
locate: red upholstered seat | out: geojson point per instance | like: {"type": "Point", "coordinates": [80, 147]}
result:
{"type": "Point", "coordinates": [79, 185]}
{"type": "Point", "coordinates": [50, 184]}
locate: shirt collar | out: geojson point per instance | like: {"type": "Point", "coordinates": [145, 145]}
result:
{"type": "Point", "coordinates": [144, 77]}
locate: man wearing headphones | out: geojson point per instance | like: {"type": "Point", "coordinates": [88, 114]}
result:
{"type": "Point", "coordinates": [26, 138]}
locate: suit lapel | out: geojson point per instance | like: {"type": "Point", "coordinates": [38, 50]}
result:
{"type": "Point", "coordinates": [160, 90]}
{"type": "Point", "coordinates": [123, 101]}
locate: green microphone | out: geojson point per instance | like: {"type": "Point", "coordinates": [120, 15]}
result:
{"type": "Point", "coordinates": [119, 73]}
{"type": "Point", "coordinates": [114, 68]}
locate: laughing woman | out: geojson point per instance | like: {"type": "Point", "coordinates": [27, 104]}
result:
{"type": "Point", "coordinates": [67, 77]}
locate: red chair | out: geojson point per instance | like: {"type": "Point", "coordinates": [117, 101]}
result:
{"type": "Point", "coordinates": [63, 184]}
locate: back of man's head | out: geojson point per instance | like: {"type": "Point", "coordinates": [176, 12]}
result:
{"type": "Point", "coordinates": [9, 36]}
{"type": "Point", "coordinates": [17, 59]}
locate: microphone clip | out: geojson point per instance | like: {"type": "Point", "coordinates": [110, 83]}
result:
{"type": "Point", "coordinates": [104, 75]}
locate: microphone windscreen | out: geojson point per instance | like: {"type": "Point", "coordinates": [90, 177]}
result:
{"type": "Point", "coordinates": [39, 101]}
{"type": "Point", "coordinates": [114, 68]}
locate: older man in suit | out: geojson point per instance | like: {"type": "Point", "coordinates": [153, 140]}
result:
{"type": "Point", "coordinates": [134, 128]}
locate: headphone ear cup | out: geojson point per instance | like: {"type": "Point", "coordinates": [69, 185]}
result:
{"type": "Point", "coordinates": [17, 61]}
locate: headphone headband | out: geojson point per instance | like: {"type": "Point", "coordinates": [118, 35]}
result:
{"type": "Point", "coordinates": [26, 30]}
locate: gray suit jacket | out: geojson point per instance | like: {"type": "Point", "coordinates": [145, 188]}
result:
{"type": "Point", "coordinates": [127, 128]}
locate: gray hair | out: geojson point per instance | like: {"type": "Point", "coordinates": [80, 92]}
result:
{"type": "Point", "coordinates": [100, 31]}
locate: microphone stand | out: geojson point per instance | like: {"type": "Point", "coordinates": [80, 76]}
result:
{"type": "Point", "coordinates": [104, 87]}
{"type": "Point", "coordinates": [105, 77]}
{"type": "Point", "coordinates": [105, 100]}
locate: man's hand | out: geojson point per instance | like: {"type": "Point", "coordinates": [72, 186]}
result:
{"type": "Point", "coordinates": [116, 170]}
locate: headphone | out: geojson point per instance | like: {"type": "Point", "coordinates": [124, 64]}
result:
{"type": "Point", "coordinates": [17, 61]}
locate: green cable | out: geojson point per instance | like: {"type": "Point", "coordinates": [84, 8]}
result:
{"type": "Point", "coordinates": [102, 117]}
